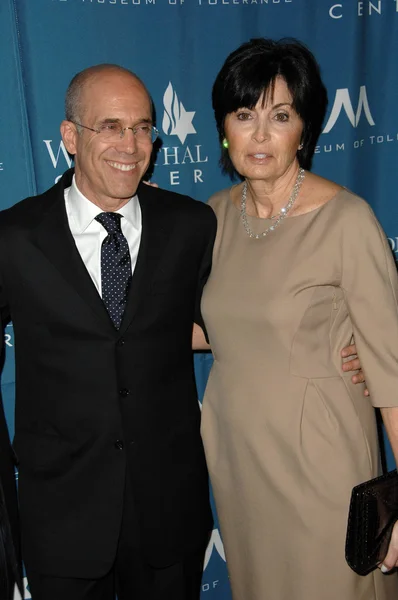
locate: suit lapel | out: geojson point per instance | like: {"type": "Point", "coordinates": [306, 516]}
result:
{"type": "Point", "coordinates": [156, 229]}
{"type": "Point", "coordinates": [53, 237]}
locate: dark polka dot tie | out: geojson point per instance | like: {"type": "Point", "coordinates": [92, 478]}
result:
{"type": "Point", "coordinates": [115, 267]}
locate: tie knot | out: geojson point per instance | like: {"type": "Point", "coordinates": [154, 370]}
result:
{"type": "Point", "coordinates": [110, 221]}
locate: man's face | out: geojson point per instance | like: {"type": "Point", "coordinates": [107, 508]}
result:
{"type": "Point", "coordinates": [108, 173]}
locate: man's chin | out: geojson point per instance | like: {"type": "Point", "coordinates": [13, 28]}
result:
{"type": "Point", "coordinates": [125, 192]}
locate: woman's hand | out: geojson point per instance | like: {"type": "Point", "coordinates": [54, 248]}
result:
{"type": "Point", "coordinates": [353, 365]}
{"type": "Point", "coordinates": [391, 560]}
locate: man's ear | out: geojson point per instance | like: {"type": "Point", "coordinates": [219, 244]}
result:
{"type": "Point", "coordinates": [69, 136]}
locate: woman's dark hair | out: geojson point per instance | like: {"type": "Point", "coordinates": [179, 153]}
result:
{"type": "Point", "coordinates": [250, 72]}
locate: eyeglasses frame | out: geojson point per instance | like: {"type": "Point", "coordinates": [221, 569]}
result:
{"type": "Point", "coordinates": [155, 131]}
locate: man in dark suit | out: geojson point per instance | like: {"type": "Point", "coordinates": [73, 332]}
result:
{"type": "Point", "coordinates": [102, 278]}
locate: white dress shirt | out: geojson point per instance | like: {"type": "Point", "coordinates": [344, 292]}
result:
{"type": "Point", "coordinates": [89, 233]}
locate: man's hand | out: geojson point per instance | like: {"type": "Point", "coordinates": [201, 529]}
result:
{"type": "Point", "coordinates": [353, 365]}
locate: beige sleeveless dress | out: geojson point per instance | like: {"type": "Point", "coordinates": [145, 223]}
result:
{"type": "Point", "coordinates": [286, 433]}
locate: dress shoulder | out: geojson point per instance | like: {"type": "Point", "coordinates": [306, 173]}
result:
{"type": "Point", "coordinates": [354, 207]}
{"type": "Point", "coordinates": [219, 200]}
{"type": "Point", "coordinates": [360, 222]}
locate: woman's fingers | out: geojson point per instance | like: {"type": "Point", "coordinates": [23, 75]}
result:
{"type": "Point", "coordinates": [391, 560]}
{"type": "Point", "coordinates": [349, 351]}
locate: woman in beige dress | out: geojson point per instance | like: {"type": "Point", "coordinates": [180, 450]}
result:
{"type": "Point", "coordinates": [300, 265]}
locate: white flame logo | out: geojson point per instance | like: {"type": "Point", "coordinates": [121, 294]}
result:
{"type": "Point", "coordinates": [172, 110]}
{"type": "Point", "coordinates": [176, 120]}
{"type": "Point", "coordinates": [215, 542]}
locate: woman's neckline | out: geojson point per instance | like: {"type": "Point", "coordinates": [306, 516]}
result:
{"type": "Point", "coordinates": [309, 212]}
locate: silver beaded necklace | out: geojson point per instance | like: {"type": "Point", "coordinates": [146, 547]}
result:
{"type": "Point", "coordinates": [281, 214]}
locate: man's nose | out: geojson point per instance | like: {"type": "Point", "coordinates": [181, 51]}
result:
{"type": "Point", "coordinates": [128, 141]}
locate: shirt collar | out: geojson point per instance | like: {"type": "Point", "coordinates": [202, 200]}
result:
{"type": "Point", "coordinates": [84, 211]}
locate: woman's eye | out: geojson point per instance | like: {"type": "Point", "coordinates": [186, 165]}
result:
{"type": "Point", "coordinates": [282, 117]}
{"type": "Point", "coordinates": [243, 116]}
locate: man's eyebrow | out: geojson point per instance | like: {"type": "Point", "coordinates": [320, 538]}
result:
{"type": "Point", "coordinates": [107, 121]}
{"type": "Point", "coordinates": [113, 120]}
{"type": "Point", "coordinates": [145, 120]}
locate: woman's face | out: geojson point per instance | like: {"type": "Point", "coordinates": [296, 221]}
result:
{"type": "Point", "coordinates": [263, 141]}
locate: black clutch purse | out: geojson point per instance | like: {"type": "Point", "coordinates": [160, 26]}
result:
{"type": "Point", "coordinates": [373, 512]}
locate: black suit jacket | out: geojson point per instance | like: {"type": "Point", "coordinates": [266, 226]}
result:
{"type": "Point", "coordinates": [93, 403]}
{"type": "Point", "coordinates": [10, 565]}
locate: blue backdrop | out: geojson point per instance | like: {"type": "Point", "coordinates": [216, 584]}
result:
{"type": "Point", "coordinates": [177, 47]}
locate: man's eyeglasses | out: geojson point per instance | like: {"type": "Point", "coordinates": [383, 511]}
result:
{"type": "Point", "coordinates": [112, 132]}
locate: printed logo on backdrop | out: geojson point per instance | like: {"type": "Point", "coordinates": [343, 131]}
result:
{"type": "Point", "coordinates": [176, 120]}
{"type": "Point", "coordinates": [183, 156]}
{"type": "Point", "coordinates": [126, 2]}
{"type": "Point", "coordinates": [214, 549]}
{"type": "Point", "coordinates": [215, 544]}
{"type": "Point", "coordinates": [242, 2]}
{"type": "Point", "coordinates": [17, 595]}
{"type": "Point", "coordinates": [8, 373]}
{"type": "Point", "coordinates": [9, 336]}
{"type": "Point", "coordinates": [393, 241]}
{"type": "Point", "coordinates": [59, 156]}
{"type": "Point", "coordinates": [363, 8]}
{"type": "Point", "coordinates": [342, 101]}
{"type": "Point", "coordinates": [177, 2]}
{"type": "Point", "coordinates": [354, 108]}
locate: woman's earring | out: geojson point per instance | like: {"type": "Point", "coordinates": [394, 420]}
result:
{"type": "Point", "coordinates": [225, 144]}
{"type": "Point", "coordinates": [300, 147]}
